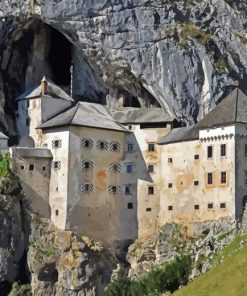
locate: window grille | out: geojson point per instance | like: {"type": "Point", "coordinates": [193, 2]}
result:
{"type": "Point", "coordinates": [114, 189]}
{"type": "Point", "coordinates": [115, 167]}
{"type": "Point", "coordinates": [102, 145]}
{"type": "Point", "coordinates": [115, 146]}
{"type": "Point", "coordinates": [56, 143]}
{"type": "Point", "coordinates": [87, 165]}
{"type": "Point", "coordinates": [87, 143]}
{"type": "Point", "coordinates": [86, 187]}
{"type": "Point", "coordinates": [56, 165]}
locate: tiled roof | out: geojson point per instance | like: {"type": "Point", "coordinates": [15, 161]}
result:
{"type": "Point", "coordinates": [85, 114]}
{"type": "Point", "coordinates": [141, 115]}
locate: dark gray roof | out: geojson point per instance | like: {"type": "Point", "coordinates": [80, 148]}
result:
{"type": "Point", "coordinates": [3, 136]}
{"type": "Point", "coordinates": [53, 91]}
{"type": "Point", "coordinates": [141, 115]}
{"type": "Point", "coordinates": [85, 114]}
{"type": "Point", "coordinates": [233, 109]}
{"type": "Point", "coordinates": [31, 152]}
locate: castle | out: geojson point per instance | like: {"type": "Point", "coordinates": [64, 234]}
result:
{"type": "Point", "coordinates": [116, 175]}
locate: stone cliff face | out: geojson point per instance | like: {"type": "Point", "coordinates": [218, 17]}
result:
{"type": "Point", "coordinates": [184, 54]}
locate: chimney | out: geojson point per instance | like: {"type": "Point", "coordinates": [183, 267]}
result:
{"type": "Point", "coordinates": [43, 86]}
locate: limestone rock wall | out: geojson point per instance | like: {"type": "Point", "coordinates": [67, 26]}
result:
{"type": "Point", "coordinates": [186, 54]}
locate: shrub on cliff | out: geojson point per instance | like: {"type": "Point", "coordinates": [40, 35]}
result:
{"type": "Point", "coordinates": [166, 278]}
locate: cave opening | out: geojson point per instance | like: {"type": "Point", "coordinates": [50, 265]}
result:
{"type": "Point", "coordinates": [60, 57]}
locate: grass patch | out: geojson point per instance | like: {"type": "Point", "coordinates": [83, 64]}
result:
{"type": "Point", "coordinates": [4, 165]}
{"type": "Point", "coordinates": [191, 31]}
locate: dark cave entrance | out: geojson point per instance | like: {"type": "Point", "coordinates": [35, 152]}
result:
{"type": "Point", "coordinates": [60, 58]}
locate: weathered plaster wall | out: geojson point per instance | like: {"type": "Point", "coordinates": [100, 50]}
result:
{"type": "Point", "coordinates": [184, 170]}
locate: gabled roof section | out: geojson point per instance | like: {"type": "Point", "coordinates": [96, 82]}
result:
{"type": "Point", "coordinates": [141, 115]}
{"type": "Point", "coordinates": [233, 109]}
{"type": "Point", "coordinates": [53, 91]}
{"type": "Point", "coordinates": [85, 114]}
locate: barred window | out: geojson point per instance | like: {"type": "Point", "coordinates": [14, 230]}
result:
{"type": "Point", "coordinates": [86, 187]}
{"type": "Point", "coordinates": [87, 165]}
{"type": "Point", "coordinates": [115, 167]}
{"type": "Point", "coordinates": [113, 189]}
{"type": "Point", "coordinates": [115, 146]}
{"type": "Point", "coordinates": [56, 165]}
{"type": "Point", "coordinates": [102, 145]}
{"type": "Point", "coordinates": [87, 143]}
{"type": "Point", "coordinates": [56, 143]}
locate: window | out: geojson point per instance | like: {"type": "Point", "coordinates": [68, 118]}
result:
{"type": "Point", "coordinates": [222, 205]}
{"type": "Point", "coordinates": [245, 178]}
{"type": "Point", "coordinates": [223, 178]}
{"type": "Point", "coordinates": [129, 168]}
{"type": "Point", "coordinates": [56, 144]}
{"type": "Point", "coordinates": [148, 209]}
{"type": "Point", "coordinates": [115, 167]}
{"type": "Point", "coordinates": [56, 165]}
{"type": "Point", "coordinates": [31, 167]}
{"type": "Point", "coordinates": [151, 147]}
{"type": "Point", "coordinates": [223, 150]}
{"type": "Point", "coordinates": [87, 165]}
{"type": "Point", "coordinates": [210, 178]}
{"type": "Point", "coordinates": [170, 185]}
{"type": "Point", "coordinates": [150, 190]}
{"type": "Point", "coordinates": [196, 183]}
{"type": "Point", "coordinates": [86, 187]}
{"type": "Point", "coordinates": [170, 208]}
{"type": "Point", "coordinates": [130, 147]}
{"type": "Point", "coordinates": [130, 205]}
{"type": "Point", "coordinates": [22, 167]}
{"type": "Point", "coordinates": [170, 160]}
{"type": "Point", "coordinates": [130, 127]}
{"type": "Point", "coordinates": [245, 149]}
{"type": "Point", "coordinates": [150, 168]}
{"type": "Point", "coordinates": [196, 207]}
{"type": "Point", "coordinates": [114, 146]}
{"type": "Point", "coordinates": [27, 121]}
{"type": "Point", "coordinates": [56, 212]}
{"type": "Point", "coordinates": [102, 145]}
{"type": "Point", "coordinates": [210, 206]}
{"type": "Point", "coordinates": [114, 189]}
{"type": "Point", "coordinates": [87, 143]}
{"type": "Point", "coordinates": [196, 156]}
{"type": "Point", "coordinates": [28, 103]}
{"type": "Point", "coordinates": [210, 151]}
{"type": "Point", "coordinates": [128, 189]}
{"type": "Point", "coordinates": [43, 168]}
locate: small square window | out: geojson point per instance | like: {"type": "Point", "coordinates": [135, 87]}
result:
{"type": "Point", "coordinates": [22, 167]}
{"type": "Point", "coordinates": [130, 127]}
{"type": "Point", "coordinates": [223, 150]}
{"type": "Point", "coordinates": [170, 208]}
{"type": "Point", "coordinates": [196, 207]}
{"type": "Point", "coordinates": [102, 145]}
{"type": "Point", "coordinates": [151, 147]}
{"type": "Point", "coordinates": [56, 212]}
{"type": "Point", "coordinates": [43, 168]}
{"type": "Point", "coordinates": [210, 206]}
{"type": "Point", "coordinates": [87, 188]}
{"type": "Point", "coordinates": [210, 151]}
{"type": "Point", "coordinates": [31, 167]}
{"type": "Point", "coordinates": [56, 164]}
{"type": "Point", "coordinates": [210, 178]}
{"type": "Point", "coordinates": [130, 205]}
{"type": "Point", "coordinates": [86, 165]}
{"type": "Point", "coordinates": [222, 205]}
{"type": "Point", "coordinates": [223, 177]}
{"type": "Point", "coordinates": [56, 144]}
{"type": "Point", "coordinates": [113, 189]}
{"type": "Point", "coordinates": [129, 168]}
{"type": "Point", "coordinates": [148, 209]}
{"type": "Point", "coordinates": [170, 160]}
{"type": "Point", "coordinates": [196, 183]}
{"type": "Point", "coordinates": [196, 156]}
{"type": "Point", "coordinates": [128, 190]}
{"type": "Point", "coordinates": [87, 143]}
{"type": "Point", "coordinates": [170, 185]}
{"type": "Point", "coordinates": [150, 190]}
{"type": "Point", "coordinates": [150, 168]}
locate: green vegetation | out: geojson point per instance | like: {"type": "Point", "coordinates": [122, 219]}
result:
{"type": "Point", "coordinates": [21, 290]}
{"type": "Point", "coordinates": [191, 31]}
{"type": "Point", "coordinates": [221, 65]}
{"type": "Point", "coordinates": [41, 252]}
{"type": "Point", "coordinates": [166, 278]}
{"type": "Point", "coordinates": [227, 278]}
{"type": "Point", "coordinates": [4, 165]}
